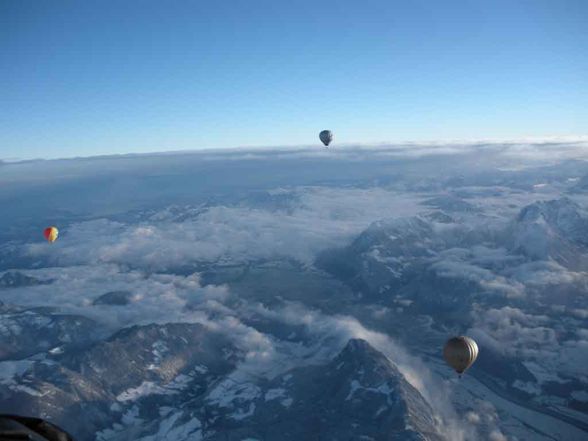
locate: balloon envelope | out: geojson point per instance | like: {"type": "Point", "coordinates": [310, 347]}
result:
{"type": "Point", "coordinates": [51, 234]}
{"type": "Point", "coordinates": [460, 353]}
{"type": "Point", "coordinates": [326, 136]}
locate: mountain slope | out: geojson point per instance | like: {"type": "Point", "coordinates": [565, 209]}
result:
{"type": "Point", "coordinates": [359, 395]}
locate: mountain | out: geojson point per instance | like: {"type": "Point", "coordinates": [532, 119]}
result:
{"type": "Point", "coordinates": [556, 229]}
{"type": "Point", "coordinates": [436, 268]}
{"type": "Point", "coordinates": [359, 395]}
{"type": "Point", "coordinates": [177, 381]}
{"type": "Point", "coordinates": [114, 298]}
{"type": "Point", "coordinates": [25, 332]}
{"type": "Point", "coordinates": [87, 390]}
{"type": "Point", "coordinates": [16, 279]}
{"type": "Point", "coordinates": [509, 286]}
{"type": "Point", "coordinates": [377, 258]}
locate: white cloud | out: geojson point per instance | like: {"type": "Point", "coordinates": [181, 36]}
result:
{"type": "Point", "coordinates": [497, 435]}
{"type": "Point", "coordinates": [319, 219]}
{"type": "Point", "coordinates": [485, 278]}
{"type": "Point", "coordinates": [517, 332]}
{"type": "Point", "coordinates": [543, 273]}
{"type": "Point", "coordinates": [155, 298]}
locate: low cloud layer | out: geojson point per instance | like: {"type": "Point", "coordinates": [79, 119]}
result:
{"type": "Point", "coordinates": [316, 219]}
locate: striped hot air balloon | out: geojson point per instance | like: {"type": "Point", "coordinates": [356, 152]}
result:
{"type": "Point", "coordinates": [460, 353]}
{"type": "Point", "coordinates": [51, 234]}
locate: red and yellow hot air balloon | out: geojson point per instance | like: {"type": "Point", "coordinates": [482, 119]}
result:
{"type": "Point", "coordinates": [51, 234]}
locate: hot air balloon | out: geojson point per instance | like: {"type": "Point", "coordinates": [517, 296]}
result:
{"type": "Point", "coordinates": [460, 353]}
{"type": "Point", "coordinates": [326, 136]}
{"type": "Point", "coordinates": [51, 234]}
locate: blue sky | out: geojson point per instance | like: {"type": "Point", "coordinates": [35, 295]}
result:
{"type": "Point", "coordinates": [101, 77]}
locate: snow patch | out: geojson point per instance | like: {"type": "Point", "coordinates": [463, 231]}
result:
{"type": "Point", "coordinates": [230, 394]}
{"type": "Point", "coordinates": [168, 431]}
{"type": "Point", "coordinates": [529, 387]}
{"type": "Point", "coordinates": [272, 394]}
{"type": "Point", "coordinates": [150, 388]}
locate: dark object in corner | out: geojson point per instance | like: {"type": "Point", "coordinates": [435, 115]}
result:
{"type": "Point", "coordinates": [17, 428]}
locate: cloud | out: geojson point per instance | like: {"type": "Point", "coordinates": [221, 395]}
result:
{"type": "Point", "coordinates": [155, 297]}
{"type": "Point", "coordinates": [516, 332]}
{"type": "Point", "coordinates": [318, 218]}
{"type": "Point", "coordinates": [574, 146]}
{"type": "Point", "coordinates": [532, 338]}
{"type": "Point", "coordinates": [453, 265]}
{"type": "Point", "coordinates": [545, 273]}
{"type": "Point", "coordinates": [497, 435]}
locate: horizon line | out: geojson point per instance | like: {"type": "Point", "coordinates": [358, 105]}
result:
{"type": "Point", "coordinates": [556, 139]}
